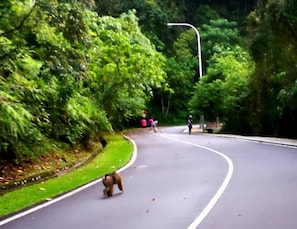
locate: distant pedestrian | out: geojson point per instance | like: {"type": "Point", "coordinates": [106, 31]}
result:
{"type": "Point", "coordinates": [143, 123]}
{"type": "Point", "coordinates": [190, 123]}
{"type": "Point", "coordinates": [151, 122]}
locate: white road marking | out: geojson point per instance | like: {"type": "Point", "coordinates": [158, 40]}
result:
{"type": "Point", "coordinates": [31, 210]}
{"type": "Point", "coordinates": [220, 191]}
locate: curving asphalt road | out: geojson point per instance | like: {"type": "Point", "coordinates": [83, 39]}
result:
{"type": "Point", "coordinates": [185, 181]}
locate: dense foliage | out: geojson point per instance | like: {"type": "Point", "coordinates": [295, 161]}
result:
{"type": "Point", "coordinates": [67, 74]}
{"type": "Point", "coordinates": [70, 70]}
{"type": "Point", "coordinates": [273, 46]}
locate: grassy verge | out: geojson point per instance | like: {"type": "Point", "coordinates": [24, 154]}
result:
{"type": "Point", "coordinates": [115, 155]}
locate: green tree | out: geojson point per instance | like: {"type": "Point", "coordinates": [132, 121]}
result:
{"type": "Point", "coordinates": [220, 32]}
{"type": "Point", "coordinates": [66, 74]}
{"type": "Point", "coordinates": [17, 83]}
{"type": "Point", "coordinates": [223, 92]}
{"type": "Point", "coordinates": [125, 67]}
{"type": "Point", "coordinates": [273, 47]}
{"type": "Point", "coordinates": [170, 102]}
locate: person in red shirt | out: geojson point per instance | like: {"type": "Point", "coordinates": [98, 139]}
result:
{"type": "Point", "coordinates": [143, 123]}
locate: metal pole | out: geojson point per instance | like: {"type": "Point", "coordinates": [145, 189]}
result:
{"type": "Point", "coordinates": [198, 42]}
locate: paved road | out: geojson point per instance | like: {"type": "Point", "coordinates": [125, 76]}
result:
{"type": "Point", "coordinates": [187, 181]}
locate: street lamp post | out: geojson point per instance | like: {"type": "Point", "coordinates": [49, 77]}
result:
{"type": "Point", "coordinates": [198, 42]}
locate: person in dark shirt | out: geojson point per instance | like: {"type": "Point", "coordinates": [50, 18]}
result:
{"type": "Point", "coordinates": [190, 123]}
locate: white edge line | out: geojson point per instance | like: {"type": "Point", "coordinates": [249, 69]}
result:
{"type": "Point", "coordinates": [259, 140]}
{"type": "Point", "coordinates": [43, 205]}
{"type": "Point", "coordinates": [220, 191]}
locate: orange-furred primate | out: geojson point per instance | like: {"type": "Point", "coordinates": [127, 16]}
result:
{"type": "Point", "coordinates": [109, 180]}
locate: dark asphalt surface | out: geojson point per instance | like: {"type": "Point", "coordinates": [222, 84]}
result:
{"type": "Point", "coordinates": [173, 181]}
